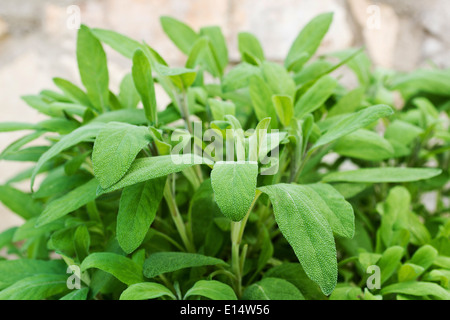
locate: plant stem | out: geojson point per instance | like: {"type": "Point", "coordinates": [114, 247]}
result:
{"type": "Point", "coordinates": [237, 260]}
{"type": "Point", "coordinates": [177, 219]}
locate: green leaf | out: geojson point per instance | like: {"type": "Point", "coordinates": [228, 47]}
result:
{"type": "Point", "coordinates": [211, 289]}
{"type": "Point", "coordinates": [68, 203]}
{"type": "Point", "coordinates": [409, 272]}
{"type": "Point", "coordinates": [146, 291]}
{"type": "Point", "coordinates": [72, 91]}
{"type": "Point", "coordinates": [6, 236]}
{"type": "Point", "coordinates": [218, 43]}
{"type": "Point", "coordinates": [122, 44]}
{"type": "Point", "coordinates": [219, 109]}
{"type": "Point", "coordinates": [278, 79]}
{"type": "Point", "coordinates": [389, 262]}
{"type": "Point", "coordinates": [82, 242]}
{"type": "Point", "coordinates": [202, 54]}
{"type": "Point", "coordinates": [12, 271]}
{"type": "Point", "coordinates": [79, 294]}
{"type": "Point", "coordinates": [294, 273]}
{"type": "Point", "coordinates": [431, 81]}
{"type": "Point", "coordinates": [261, 95]}
{"type": "Point", "coordinates": [415, 288]}
{"type": "Point", "coordinates": [248, 44]}
{"type": "Point", "coordinates": [364, 144]}
{"type": "Point", "coordinates": [144, 169]}
{"type": "Point", "coordinates": [137, 210]}
{"type": "Point", "coordinates": [239, 77]}
{"type": "Point", "coordinates": [346, 293]}
{"type": "Point", "coordinates": [93, 68]}
{"type": "Point", "coordinates": [234, 185]}
{"type": "Point", "coordinates": [403, 132]}
{"type": "Point", "coordinates": [115, 149]}
{"type": "Point", "coordinates": [284, 108]}
{"type": "Point", "coordinates": [58, 182]}
{"type": "Point", "coordinates": [424, 256]}
{"type": "Point", "coordinates": [315, 96]}
{"type": "Point", "coordinates": [395, 211]}
{"type": "Point", "coordinates": [128, 95]}
{"type": "Point", "coordinates": [124, 269]}
{"type": "Point", "coordinates": [19, 202]}
{"type": "Point", "coordinates": [163, 262]}
{"type": "Point", "coordinates": [337, 211]}
{"type": "Point", "coordinates": [29, 230]}
{"type": "Point", "coordinates": [348, 103]}
{"type": "Point", "coordinates": [183, 78]}
{"type": "Point", "coordinates": [272, 289]}
{"type": "Point", "coordinates": [143, 81]}
{"type": "Point", "coordinates": [16, 126]}
{"type": "Point", "coordinates": [308, 41]}
{"type": "Point", "coordinates": [36, 287]}
{"type": "Point", "coordinates": [380, 175]}
{"type": "Point", "coordinates": [131, 116]}
{"type": "Point", "coordinates": [180, 34]}
{"type": "Point", "coordinates": [352, 122]}
{"type": "Point", "coordinates": [81, 134]}
{"type": "Point", "coordinates": [307, 231]}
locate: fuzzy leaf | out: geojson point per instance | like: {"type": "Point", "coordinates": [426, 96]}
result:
{"type": "Point", "coordinates": [307, 231]}
{"type": "Point", "coordinates": [124, 269]}
{"type": "Point", "coordinates": [137, 210]}
{"type": "Point", "coordinates": [115, 149]}
{"type": "Point", "coordinates": [272, 289]}
{"type": "Point", "coordinates": [234, 185]}
{"type": "Point", "coordinates": [211, 289]}
{"type": "Point", "coordinates": [93, 68]}
{"type": "Point", "coordinates": [163, 262]}
{"type": "Point", "coordinates": [380, 175]}
{"type": "Point", "coordinates": [146, 291]}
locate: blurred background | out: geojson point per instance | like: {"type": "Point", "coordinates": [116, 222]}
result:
{"type": "Point", "coordinates": [37, 40]}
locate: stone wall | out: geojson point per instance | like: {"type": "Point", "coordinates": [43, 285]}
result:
{"type": "Point", "coordinates": [36, 44]}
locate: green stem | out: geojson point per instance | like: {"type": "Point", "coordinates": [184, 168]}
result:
{"type": "Point", "coordinates": [177, 219]}
{"type": "Point", "coordinates": [237, 260]}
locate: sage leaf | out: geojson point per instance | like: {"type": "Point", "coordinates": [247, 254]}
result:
{"type": "Point", "coordinates": [284, 108]}
{"type": "Point", "coordinates": [163, 262]}
{"type": "Point", "coordinates": [337, 211]}
{"type": "Point", "coordinates": [144, 169]}
{"type": "Point", "coordinates": [380, 175]}
{"type": "Point", "coordinates": [211, 289]}
{"type": "Point", "coordinates": [234, 185]}
{"type": "Point", "coordinates": [352, 122]}
{"type": "Point", "coordinates": [308, 41]}
{"type": "Point", "coordinates": [68, 203]}
{"type": "Point", "coordinates": [315, 96]}
{"type": "Point", "coordinates": [248, 44]}
{"type": "Point", "coordinates": [272, 289]}
{"type": "Point", "coordinates": [180, 34]}
{"type": "Point", "coordinates": [81, 134]}
{"type": "Point", "coordinates": [115, 149]}
{"type": "Point", "coordinates": [78, 294]}
{"type": "Point", "coordinates": [307, 231]}
{"type": "Point", "coordinates": [137, 210]}
{"type": "Point", "coordinates": [366, 145]}
{"type": "Point", "coordinates": [146, 291]}
{"type": "Point", "coordinates": [37, 287]}
{"type": "Point", "coordinates": [19, 202]}
{"type": "Point", "coordinates": [123, 268]}
{"type": "Point", "coordinates": [416, 288]}
{"type": "Point", "coordinates": [143, 82]}
{"type": "Point", "coordinates": [93, 68]}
